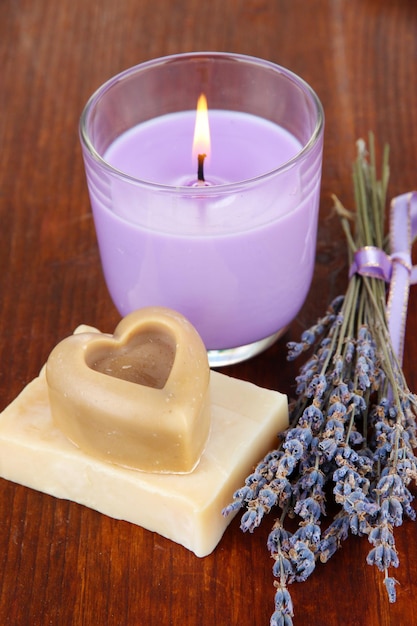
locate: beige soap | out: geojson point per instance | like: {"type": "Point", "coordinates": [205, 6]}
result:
{"type": "Point", "coordinates": [138, 398]}
{"type": "Point", "coordinates": [186, 508]}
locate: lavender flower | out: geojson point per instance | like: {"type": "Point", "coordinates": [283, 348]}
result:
{"type": "Point", "coordinates": [352, 435]}
{"type": "Point", "coordinates": [279, 619]}
{"type": "Point", "coordinates": [390, 586]}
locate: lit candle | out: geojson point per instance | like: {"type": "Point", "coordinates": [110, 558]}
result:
{"type": "Point", "coordinates": [232, 247]}
{"type": "Point", "coordinates": [201, 142]}
{"type": "Point", "coordinates": [139, 398]}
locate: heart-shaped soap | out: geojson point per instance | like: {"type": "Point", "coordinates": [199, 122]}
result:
{"type": "Point", "coordinates": [138, 398]}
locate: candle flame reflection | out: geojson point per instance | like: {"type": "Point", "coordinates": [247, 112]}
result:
{"type": "Point", "coordinates": [201, 142]}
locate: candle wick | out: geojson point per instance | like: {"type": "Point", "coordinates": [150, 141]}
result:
{"type": "Point", "coordinates": [200, 170]}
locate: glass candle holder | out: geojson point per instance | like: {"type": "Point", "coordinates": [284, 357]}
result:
{"type": "Point", "coordinates": [224, 234]}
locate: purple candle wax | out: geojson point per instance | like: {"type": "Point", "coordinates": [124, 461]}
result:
{"type": "Point", "coordinates": [235, 257]}
{"type": "Point", "coordinates": [242, 146]}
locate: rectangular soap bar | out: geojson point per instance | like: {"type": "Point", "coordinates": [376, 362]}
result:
{"type": "Point", "coordinates": [184, 508]}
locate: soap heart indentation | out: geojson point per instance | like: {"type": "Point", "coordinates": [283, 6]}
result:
{"type": "Point", "coordinates": [146, 359]}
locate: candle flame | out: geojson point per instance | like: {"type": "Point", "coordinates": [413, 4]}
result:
{"type": "Point", "coordinates": [201, 143]}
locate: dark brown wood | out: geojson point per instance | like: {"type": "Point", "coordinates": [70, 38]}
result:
{"type": "Point", "coordinates": [61, 563]}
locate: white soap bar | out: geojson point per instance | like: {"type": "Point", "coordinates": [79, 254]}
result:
{"type": "Point", "coordinates": [184, 508]}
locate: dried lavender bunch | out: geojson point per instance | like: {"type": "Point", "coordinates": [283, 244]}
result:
{"type": "Point", "coordinates": [352, 425]}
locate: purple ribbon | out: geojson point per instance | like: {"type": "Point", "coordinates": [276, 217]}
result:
{"type": "Point", "coordinates": [397, 268]}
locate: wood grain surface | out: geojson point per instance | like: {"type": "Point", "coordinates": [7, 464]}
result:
{"type": "Point", "coordinates": [63, 564]}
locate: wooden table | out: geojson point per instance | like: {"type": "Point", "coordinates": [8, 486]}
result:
{"type": "Point", "coordinates": [61, 563]}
